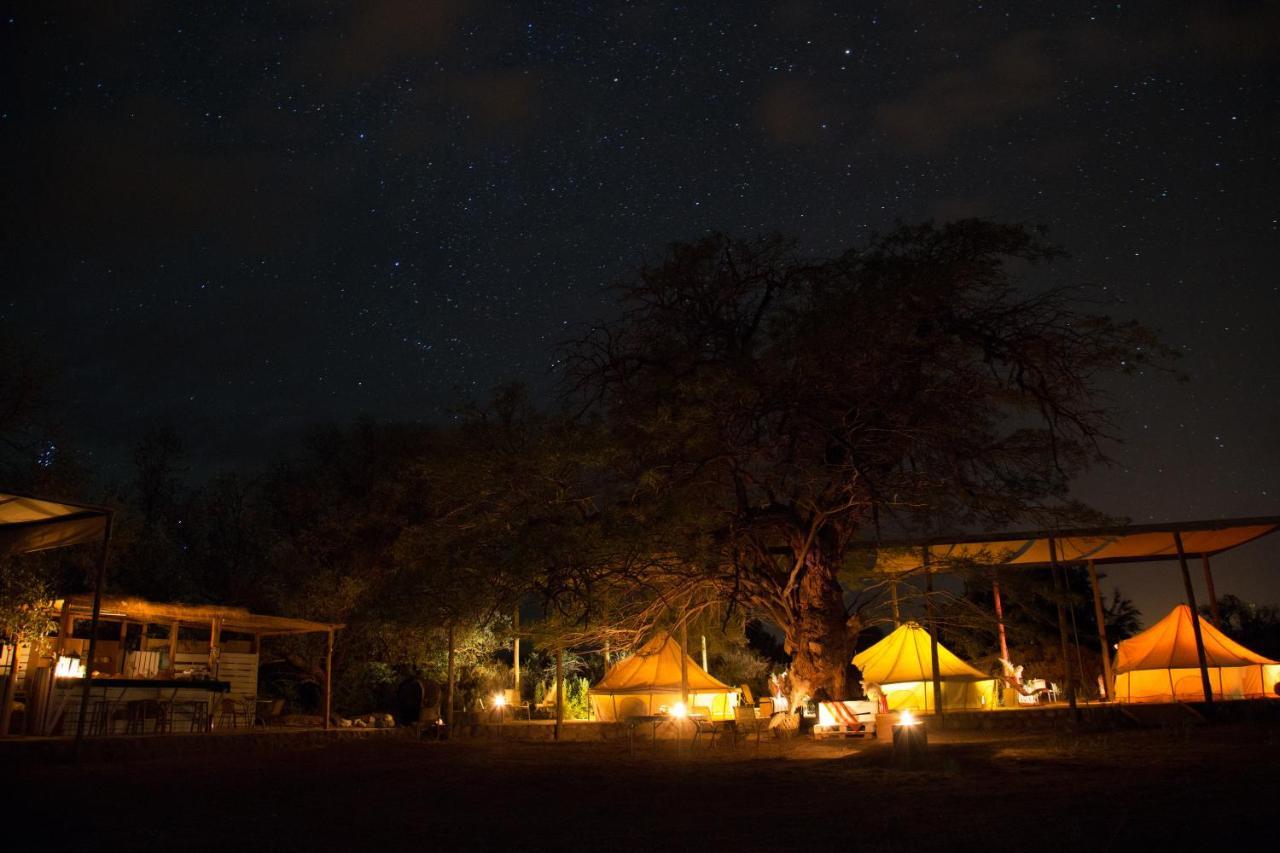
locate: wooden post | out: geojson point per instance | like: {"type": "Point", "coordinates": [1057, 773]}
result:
{"type": "Point", "coordinates": [10, 688]}
{"type": "Point", "coordinates": [87, 684]}
{"type": "Point", "coordinates": [995, 593]}
{"type": "Point", "coordinates": [1213, 596]}
{"type": "Point", "coordinates": [328, 679]}
{"type": "Point", "coordinates": [215, 639]}
{"type": "Point", "coordinates": [449, 685]}
{"type": "Point", "coordinates": [608, 658]}
{"type": "Point", "coordinates": [1060, 593]}
{"type": "Point", "coordinates": [893, 591]}
{"type": "Point", "coordinates": [515, 654]}
{"type": "Point", "coordinates": [173, 646]}
{"type": "Point", "coordinates": [1195, 619]}
{"type": "Point", "coordinates": [705, 668]}
{"type": "Point", "coordinates": [65, 624]}
{"type": "Point", "coordinates": [1100, 616]}
{"type": "Point", "coordinates": [933, 635]}
{"type": "Point", "coordinates": [559, 689]}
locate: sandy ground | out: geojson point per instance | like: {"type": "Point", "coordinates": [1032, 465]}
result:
{"type": "Point", "coordinates": [1167, 790]}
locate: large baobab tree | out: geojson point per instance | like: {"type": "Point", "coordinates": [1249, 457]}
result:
{"type": "Point", "coordinates": [770, 408]}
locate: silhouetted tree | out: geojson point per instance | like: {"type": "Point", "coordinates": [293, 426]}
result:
{"type": "Point", "coordinates": [769, 409]}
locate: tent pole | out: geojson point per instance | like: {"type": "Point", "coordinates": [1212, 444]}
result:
{"type": "Point", "coordinates": [1099, 615]}
{"type": "Point", "coordinates": [1059, 589]}
{"type": "Point", "coordinates": [893, 590]}
{"type": "Point", "coordinates": [995, 593]}
{"type": "Point", "coordinates": [933, 633]}
{"type": "Point", "coordinates": [328, 679]}
{"type": "Point", "coordinates": [704, 654]}
{"type": "Point", "coordinates": [1213, 596]}
{"type": "Point", "coordinates": [684, 661]}
{"type": "Point", "coordinates": [87, 683]}
{"type": "Point", "coordinates": [1195, 618]}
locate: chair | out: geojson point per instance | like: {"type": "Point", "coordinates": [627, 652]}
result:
{"type": "Point", "coordinates": [746, 722]}
{"type": "Point", "coordinates": [141, 710]}
{"type": "Point", "coordinates": [228, 709]}
{"type": "Point", "coordinates": [703, 723]}
{"type": "Point", "coordinates": [511, 699]}
{"type": "Point", "coordinates": [747, 697]}
{"type": "Point", "coordinates": [196, 712]}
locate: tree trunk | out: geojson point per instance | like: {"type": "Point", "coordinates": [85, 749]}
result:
{"type": "Point", "coordinates": [822, 644]}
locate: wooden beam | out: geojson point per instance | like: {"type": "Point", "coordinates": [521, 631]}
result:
{"type": "Point", "coordinates": [1195, 619]}
{"type": "Point", "coordinates": [1100, 616]}
{"type": "Point", "coordinates": [1213, 596]}
{"type": "Point", "coordinates": [933, 636]}
{"type": "Point", "coordinates": [1060, 593]}
{"type": "Point", "coordinates": [995, 594]}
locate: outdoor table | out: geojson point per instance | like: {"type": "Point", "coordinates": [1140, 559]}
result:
{"type": "Point", "coordinates": [657, 720]}
{"type": "Point", "coordinates": [123, 685]}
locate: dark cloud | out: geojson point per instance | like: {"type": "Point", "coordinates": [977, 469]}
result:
{"type": "Point", "coordinates": [796, 112]}
{"type": "Point", "coordinates": [375, 37]}
{"type": "Point", "coordinates": [1014, 77]}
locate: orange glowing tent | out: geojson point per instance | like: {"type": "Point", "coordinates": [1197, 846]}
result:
{"type": "Point", "coordinates": [902, 665]}
{"type": "Point", "coordinates": [1161, 664]}
{"type": "Point", "coordinates": [643, 683]}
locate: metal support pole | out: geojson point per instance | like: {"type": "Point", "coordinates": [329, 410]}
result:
{"type": "Point", "coordinates": [893, 590]}
{"type": "Point", "coordinates": [559, 690]}
{"type": "Point", "coordinates": [1195, 619]}
{"type": "Point", "coordinates": [328, 680]}
{"type": "Point", "coordinates": [933, 635]}
{"type": "Point", "coordinates": [1213, 596]}
{"type": "Point", "coordinates": [87, 684]}
{"type": "Point", "coordinates": [704, 653]}
{"type": "Point", "coordinates": [451, 679]}
{"type": "Point", "coordinates": [1059, 589]}
{"type": "Point", "coordinates": [1100, 616]}
{"type": "Point", "coordinates": [515, 655]}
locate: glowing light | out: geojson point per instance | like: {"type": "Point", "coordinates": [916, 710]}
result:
{"type": "Point", "coordinates": [499, 700]}
{"type": "Point", "coordinates": [906, 718]}
{"type": "Point", "coordinates": [68, 667]}
{"type": "Point", "coordinates": [679, 710]}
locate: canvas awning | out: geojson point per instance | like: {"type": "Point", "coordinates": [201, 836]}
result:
{"type": "Point", "coordinates": [1127, 544]}
{"type": "Point", "coordinates": [230, 618]}
{"type": "Point", "coordinates": [34, 524]}
{"type": "Point", "coordinates": [656, 667]}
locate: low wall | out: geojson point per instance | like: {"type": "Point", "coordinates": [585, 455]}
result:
{"type": "Point", "coordinates": [45, 750]}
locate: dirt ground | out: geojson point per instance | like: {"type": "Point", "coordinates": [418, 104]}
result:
{"type": "Point", "coordinates": [1134, 791]}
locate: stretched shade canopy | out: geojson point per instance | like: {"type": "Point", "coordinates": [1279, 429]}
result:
{"type": "Point", "coordinates": [35, 524]}
{"type": "Point", "coordinates": [1132, 544]}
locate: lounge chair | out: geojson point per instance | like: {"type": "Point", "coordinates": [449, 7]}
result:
{"type": "Point", "coordinates": [747, 722]}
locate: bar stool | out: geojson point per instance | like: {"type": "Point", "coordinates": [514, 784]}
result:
{"type": "Point", "coordinates": [141, 710]}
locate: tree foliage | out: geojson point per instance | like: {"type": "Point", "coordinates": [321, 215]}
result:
{"type": "Point", "coordinates": [771, 408]}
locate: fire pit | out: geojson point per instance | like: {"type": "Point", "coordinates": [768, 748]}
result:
{"type": "Point", "coordinates": [910, 742]}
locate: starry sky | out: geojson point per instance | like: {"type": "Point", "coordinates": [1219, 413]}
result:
{"type": "Point", "coordinates": [245, 218]}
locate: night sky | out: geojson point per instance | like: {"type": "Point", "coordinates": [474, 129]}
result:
{"type": "Point", "coordinates": [246, 218]}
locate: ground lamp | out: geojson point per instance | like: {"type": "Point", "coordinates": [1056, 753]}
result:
{"type": "Point", "coordinates": [910, 741]}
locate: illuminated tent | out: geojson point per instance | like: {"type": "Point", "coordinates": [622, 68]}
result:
{"type": "Point", "coordinates": [649, 679]}
{"type": "Point", "coordinates": [903, 667]}
{"type": "Point", "coordinates": [1161, 664]}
